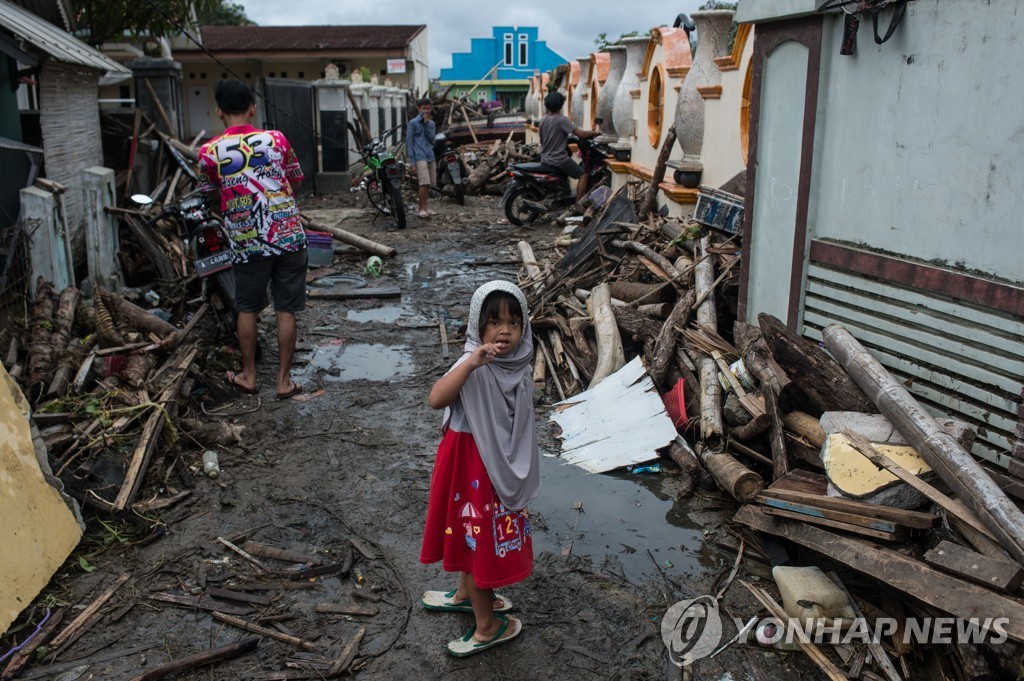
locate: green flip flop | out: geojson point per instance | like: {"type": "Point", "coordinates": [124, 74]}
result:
{"type": "Point", "coordinates": [445, 602]}
{"type": "Point", "coordinates": [467, 645]}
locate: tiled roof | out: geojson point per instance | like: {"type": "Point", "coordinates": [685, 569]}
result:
{"type": "Point", "coordinates": [262, 38]}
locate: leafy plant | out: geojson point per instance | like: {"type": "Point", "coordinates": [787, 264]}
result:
{"type": "Point", "coordinates": [85, 565]}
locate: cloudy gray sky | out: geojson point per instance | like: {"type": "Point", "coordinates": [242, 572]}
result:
{"type": "Point", "coordinates": [568, 27]}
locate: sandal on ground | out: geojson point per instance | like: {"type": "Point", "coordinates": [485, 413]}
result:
{"type": "Point", "coordinates": [292, 392]}
{"type": "Point", "coordinates": [425, 214]}
{"type": "Point", "coordinates": [445, 602]}
{"type": "Point", "coordinates": [467, 645]}
{"type": "Point", "coordinates": [231, 378]}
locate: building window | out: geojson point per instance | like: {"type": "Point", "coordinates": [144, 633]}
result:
{"type": "Point", "coordinates": [302, 74]}
{"type": "Point", "coordinates": [202, 76]}
{"type": "Point", "coordinates": [191, 75]}
{"type": "Point", "coordinates": [508, 49]}
{"type": "Point", "coordinates": [284, 74]}
{"type": "Point", "coordinates": [522, 51]}
{"type": "Point", "coordinates": [272, 75]}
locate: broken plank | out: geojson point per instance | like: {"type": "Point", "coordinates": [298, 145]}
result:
{"type": "Point", "coordinates": [207, 657]}
{"type": "Point", "coordinates": [882, 525]}
{"type": "Point", "coordinates": [364, 550]}
{"type": "Point", "coordinates": [894, 535]}
{"type": "Point", "coordinates": [355, 293]}
{"type": "Point", "coordinates": [912, 577]}
{"type": "Point", "coordinates": [347, 654]}
{"type": "Point", "coordinates": [962, 562]}
{"type": "Point", "coordinates": [87, 617]}
{"type": "Point", "coordinates": [357, 610]}
{"type": "Point", "coordinates": [200, 603]}
{"type": "Point", "coordinates": [912, 519]}
{"type": "Point", "coordinates": [224, 542]}
{"type": "Point", "coordinates": [263, 631]}
{"type": "Point", "coordinates": [214, 592]}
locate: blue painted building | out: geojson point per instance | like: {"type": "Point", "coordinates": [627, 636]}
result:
{"type": "Point", "coordinates": [505, 62]}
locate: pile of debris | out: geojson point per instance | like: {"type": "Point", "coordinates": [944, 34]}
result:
{"type": "Point", "coordinates": [488, 164]}
{"type": "Point", "coordinates": [857, 472]}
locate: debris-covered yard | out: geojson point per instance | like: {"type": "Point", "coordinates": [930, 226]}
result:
{"type": "Point", "coordinates": [299, 559]}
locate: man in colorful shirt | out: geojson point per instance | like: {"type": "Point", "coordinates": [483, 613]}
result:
{"type": "Point", "coordinates": [253, 175]}
{"type": "Point", "coordinates": [420, 147]}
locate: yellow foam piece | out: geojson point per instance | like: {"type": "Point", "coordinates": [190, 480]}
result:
{"type": "Point", "coordinates": [854, 475]}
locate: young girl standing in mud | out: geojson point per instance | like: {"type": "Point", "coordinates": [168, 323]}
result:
{"type": "Point", "coordinates": [486, 470]}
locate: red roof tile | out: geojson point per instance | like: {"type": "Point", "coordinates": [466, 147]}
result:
{"type": "Point", "coordinates": [261, 38]}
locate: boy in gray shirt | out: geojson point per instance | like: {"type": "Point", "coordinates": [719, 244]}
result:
{"type": "Point", "coordinates": [554, 141]}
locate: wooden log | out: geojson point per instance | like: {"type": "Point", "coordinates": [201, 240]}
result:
{"type": "Point", "coordinates": [40, 351]}
{"type": "Point", "coordinates": [684, 457]}
{"type": "Point", "coordinates": [736, 479]}
{"type": "Point", "coordinates": [962, 562]}
{"type": "Point", "coordinates": [263, 631]}
{"type": "Point", "coordinates": [941, 451]}
{"type": "Point", "coordinates": [710, 389]}
{"type": "Point", "coordinates": [806, 426]}
{"type": "Point", "coordinates": [144, 238]}
{"type": "Point", "coordinates": [633, 291]}
{"type": "Point", "coordinates": [200, 602]}
{"type": "Point", "coordinates": [638, 326]}
{"type": "Point", "coordinates": [780, 457]}
{"type": "Point", "coordinates": [758, 360]}
{"type": "Point", "coordinates": [352, 239]}
{"type": "Point", "coordinates": [891, 568]}
{"type": "Point", "coordinates": [136, 316]}
{"type": "Point", "coordinates": [665, 344]}
{"type": "Point", "coordinates": [284, 555]}
{"type": "Point", "coordinates": [203, 659]}
{"type": "Point", "coordinates": [736, 415]}
{"type": "Point", "coordinates": [244, 554]}
{"type": "Point", "coordinates": [649, 253]}
{"type": "Point", "coordinates": [383, 293]}
{"type": "Point", "coordinates": [539, 370]}
{"type": "Point", "coordinates": [651, 198]}
{"type": "Point", "coordinates": [610, 355]}
{"type": "Point", "coordinates": [819, 376]}
{"type": "Point", "coordinates": [754, 427]}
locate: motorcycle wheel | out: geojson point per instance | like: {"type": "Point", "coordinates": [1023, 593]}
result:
{"type": "Point", "coordinates": [514, 210]}
{"type": "Point", "coordinates": [460, 193]}
{"type": "Point", "coordinates": [396, 207]}
{"type": "Point", "coordinates": [376, 194]}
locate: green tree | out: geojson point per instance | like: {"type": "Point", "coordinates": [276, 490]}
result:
{"type": "Point", "coordinates": [225, 13]}
{"type": "Point", "coordinates": [104, 20]}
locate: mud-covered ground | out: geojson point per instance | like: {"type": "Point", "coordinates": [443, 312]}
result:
{"type": "Point", "coordinates": [351, 461]}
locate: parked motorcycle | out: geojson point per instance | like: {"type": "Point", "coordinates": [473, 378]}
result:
{"type": "Point", "coordinates": [537, 189]}
{"type": "Point", "coordinates": [206, 238]}
{"type": "Point", "coordinates": [381, 177]}
{"type": "Point", "coordinates": [449, 168]}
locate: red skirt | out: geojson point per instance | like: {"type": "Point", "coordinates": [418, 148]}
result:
{"type": "Point", "coordinates": [467, 526]}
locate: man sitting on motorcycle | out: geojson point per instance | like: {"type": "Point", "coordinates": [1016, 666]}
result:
{"type": "Point", "coordinates": [555, 129]}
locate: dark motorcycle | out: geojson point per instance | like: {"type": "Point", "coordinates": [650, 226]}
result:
{"type": "Point", "coordinates": [381, 177]}
{"type": "Point", "coordinates": [206, 238]}
{"type": "Point", "coordinates": [449, 168]}
{"type": "Point", "coordinates": [537, 189]}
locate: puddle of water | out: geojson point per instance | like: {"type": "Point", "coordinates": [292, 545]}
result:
{"type": "Point", "coordinates": [423, 274]}
{"type": "Point", "coordinates": [620, 510]}
{"type": "Point", "coordinates": [373, 362]}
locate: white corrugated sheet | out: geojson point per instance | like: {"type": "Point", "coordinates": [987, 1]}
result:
{"type": "Point", "coordinates": [59, 44]}
{"type": "Point", "coordinates": [620, 422]}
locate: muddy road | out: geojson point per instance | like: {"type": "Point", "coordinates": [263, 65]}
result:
{"type": "Point", "coordinates": [346, 470]}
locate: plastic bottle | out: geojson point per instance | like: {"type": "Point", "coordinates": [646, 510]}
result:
{"type": "Point", "coordinates": [211, 466]}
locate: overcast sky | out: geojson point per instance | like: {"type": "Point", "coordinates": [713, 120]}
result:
{"type": "Point", "coordinates": [568, 27]}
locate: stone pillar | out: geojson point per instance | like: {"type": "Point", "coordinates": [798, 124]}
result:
{"type": "Point", "coordinates": [102, 241]}
{"type": "Point", "coordinates": [606, 100]}
{"type": "Point", "coordinates": [629, 89]}
{"type": "Point", "coordinates": [165, 77]}
{"type": "Point", "coordinates": [575, 112]}
{"type": "Point", "coordinates": [712, 40]}
{"type": "Point", "coordinates": [49, 244]}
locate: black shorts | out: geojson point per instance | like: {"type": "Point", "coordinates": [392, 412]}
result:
{"type": "Point", "coordinates": [569, 167]}
{"type": "Point", "coordinates": [286, 275]}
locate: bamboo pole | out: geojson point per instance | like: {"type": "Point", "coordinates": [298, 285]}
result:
{"type": "Point", "coordinates": [352, 239]}
{"type": "Point", "coordinates": [941, 451]}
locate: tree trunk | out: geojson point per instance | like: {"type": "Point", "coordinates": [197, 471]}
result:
{"type": "Point", "coordinates": [610, 357]}
{"type": "Point", "coordinates": [665, 344]}
{"type": "Point", "coordinates": [813, 370]}
{"type": "Point", "coordinates": [40, 352]}
{"type": "Point", "coordinates": [651, 200]}
{"type": "Point", "coordinates": [940, 450]}
{"type": "Point", "coordinates": [739, 481]}
{"type": "Point", "coordinates": [758, 360]}
{"type": "Point", "coordinates": [136, 316]}
{"type": "Point", "coordinates": [680, 452]}
{"type": "Point", "coordinates": [710, 388]}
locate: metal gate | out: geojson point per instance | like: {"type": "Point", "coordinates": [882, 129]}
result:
{"type": "Point", "coordinates": [289, 108]}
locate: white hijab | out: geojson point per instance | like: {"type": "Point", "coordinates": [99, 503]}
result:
{"type": "Point", "coordinates": [498, 401]}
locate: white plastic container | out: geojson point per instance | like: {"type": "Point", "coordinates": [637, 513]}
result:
{"type": "Point", "coordinates": [808, 594]}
